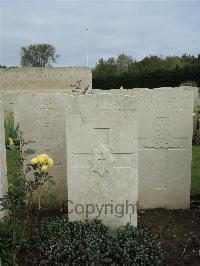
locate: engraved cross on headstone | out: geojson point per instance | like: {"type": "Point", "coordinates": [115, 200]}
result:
{"type": "Point", "coordinates": [102, 158]}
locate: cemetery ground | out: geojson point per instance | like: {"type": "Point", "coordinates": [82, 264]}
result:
{"type": "Point", "coordinates": [177, 230]}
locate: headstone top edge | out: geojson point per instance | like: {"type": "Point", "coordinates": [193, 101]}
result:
{"type": "Point", "coordinates": [44, 68]}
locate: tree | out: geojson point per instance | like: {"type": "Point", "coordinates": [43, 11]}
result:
{"type": "Point", "coordinates": [152, 71]}
{"type": "Point", "coordinates": [123, 62]}
{"type": "Point", "coordinates": [105, 68]}
{"type": "Point", "coordinates": [38, 55]}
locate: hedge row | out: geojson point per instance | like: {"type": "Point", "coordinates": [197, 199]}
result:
{"type": "Point", "coordinates": [149, 79]}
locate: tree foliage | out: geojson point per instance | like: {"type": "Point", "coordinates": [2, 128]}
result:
{"type": "Point", "coordinates": [151, 72]}
{"type": "Point", "coordinates": [38, 55]}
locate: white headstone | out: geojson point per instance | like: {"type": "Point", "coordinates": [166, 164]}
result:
{"type": "Point", "coordinates": [42, 118]}
{"type": "Point", "coordinates": [165, 125]}
{"type": "Point", "coordinates": [3, 171]}
{"type": "Point", "coordinates": [102, 160]}
{"type": "Point", "coordinates": [165, 148]}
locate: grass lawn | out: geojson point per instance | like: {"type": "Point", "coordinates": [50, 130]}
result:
{"type": "Point", "coordinates": [11, 156]}
{"type": "Point", "coordinates": [195, 187]}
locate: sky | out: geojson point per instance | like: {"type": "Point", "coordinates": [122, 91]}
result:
{"type": "Point", "coordinates": [136, 28]}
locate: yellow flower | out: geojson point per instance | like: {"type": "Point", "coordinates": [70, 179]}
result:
{"type": "Point", "coordinates": [41, 159]}
{"type": "Point", "coordinates": [44, 155]}
{"type": "Point", "coordinates": [11, 141]}
{"type": "Point", "coordinates": [44, 168]}
{"type": "Point", "coordinates": [34, 160]}
{"type": "Point", "coordinates": [50, 161]}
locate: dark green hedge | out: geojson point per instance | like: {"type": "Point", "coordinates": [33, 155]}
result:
{"type": "Point", "coordinates": [149, 79]}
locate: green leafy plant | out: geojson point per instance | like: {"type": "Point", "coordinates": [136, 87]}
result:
{"type": "Point", "coordinates": [5, 241]}
{"type": "Point", "coordinates": [92, 243]}
{"type": "Point", "coordinates": [18, 200]}
{"type": "Point", "coordinates": [197, 109]}
{"type": "Point", "coordinates": [11, 131]}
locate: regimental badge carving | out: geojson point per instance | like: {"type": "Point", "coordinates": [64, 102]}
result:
{"type": "Point", "coordinates": [102, 160]}
{"type": "Point", "coordinates": [162, 137]}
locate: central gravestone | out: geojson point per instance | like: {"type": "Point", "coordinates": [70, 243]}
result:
{"type": "Point", "coordinates": [102, 163]}
{"type": "Point", "coordinates": [3, 177]}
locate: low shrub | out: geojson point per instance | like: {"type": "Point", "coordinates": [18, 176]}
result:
{"type": "Point", "coordinates": [92, 243]}
{"type": "Point", "coordinates": [197, 109]}
{"type": "Point", "coordinates": [6, 243]}
{"type": "Point", "coordinates": [196, 140]}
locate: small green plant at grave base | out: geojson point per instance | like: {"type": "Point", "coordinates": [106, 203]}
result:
{"type": "Point", "coordinates": [197, 109]}
{"type": "Point", "coordinates": [92, 243]}
{"type": "Point", "coordinates": [11, 132]}
{"type": "Point", "coordinates": [17, 202]}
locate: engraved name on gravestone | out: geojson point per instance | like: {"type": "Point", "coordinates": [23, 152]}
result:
{"type": "Point", "coordinates": [42, 119]}
{"type": "Point", "coordinates": [45, 78]}
{"type": "Point", "coordinates": [102, 160]}
{"type": "Point", "coordinates": [165, 143]}
{"type": "Point", "coordinates": [3, 171]}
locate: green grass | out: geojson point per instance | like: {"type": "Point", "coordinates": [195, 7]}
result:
{"type": "Point", "coordinates": [11, 156]}
{"type": "Point", "coordinates": [195, 186]}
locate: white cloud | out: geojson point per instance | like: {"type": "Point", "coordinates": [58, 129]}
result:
{"type": "Point", "coordinates": [135, 28]}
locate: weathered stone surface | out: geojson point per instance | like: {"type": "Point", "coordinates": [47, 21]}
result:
{"type": "Point", "coordinates": [9, 97]}
{"type": "Point", "coordinates": [164, 118]}
{"type": "Point", "coordinates": [42, 118]}
{"type": "Point", "coordinates": [165, 148]}
{"type": "Point", "coordinates": [102, 159]}
{"type": "Point", "coordinates": [47, 78]}
{"type": "Point", "coordinates": [3, 171]}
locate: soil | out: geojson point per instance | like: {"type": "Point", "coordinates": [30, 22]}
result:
{"type": "Point", "coordinates": [178, 230]}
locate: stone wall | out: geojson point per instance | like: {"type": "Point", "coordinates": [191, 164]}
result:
{"type": "Point", "coordinates": [43, 78]}
{"type": "Point", "coordinates": [19, 81]}
{"type": "Point", "coordinates": [3, 172]}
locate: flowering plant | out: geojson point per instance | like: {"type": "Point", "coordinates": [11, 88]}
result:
{"type": "Point", "coordinates": [24, 181]}
{"type": "Point", "coordinates": [40, 165]}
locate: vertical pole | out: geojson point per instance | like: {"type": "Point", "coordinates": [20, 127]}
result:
{"type": "Point", "coordinates": [87, 56]}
